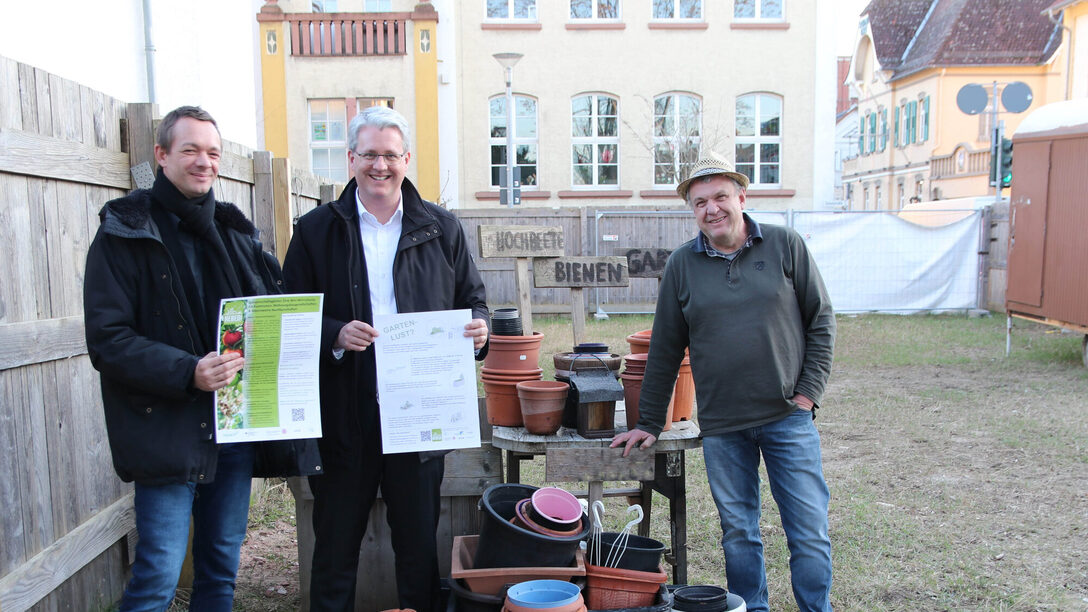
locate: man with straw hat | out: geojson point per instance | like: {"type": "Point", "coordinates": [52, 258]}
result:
{"type": "Point", "coordinates": [749, 304]}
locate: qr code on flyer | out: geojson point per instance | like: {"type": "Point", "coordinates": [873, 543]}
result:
{"type": "Point", "coordinates": [298, 415]}
{"type": "Point", "coordinates": [425, 436]}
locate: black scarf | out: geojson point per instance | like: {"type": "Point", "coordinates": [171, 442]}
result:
{"type": "Point", "coordinates": [218, 268]}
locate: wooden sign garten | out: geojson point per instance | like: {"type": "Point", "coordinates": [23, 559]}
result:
{"type": "Point", "coordinates": [645, 262]}
{"type": "Point", "coordinates": [578, 273]}
{"type": "Point", "coordinates": [520, 241]}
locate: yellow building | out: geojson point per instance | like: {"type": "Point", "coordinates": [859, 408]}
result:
{"type": "Point", "coordinates": [911, 61]}
{"type": "Point", "coordinates": [322, 62]}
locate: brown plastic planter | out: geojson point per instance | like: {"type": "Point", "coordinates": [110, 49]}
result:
{"type": "Point", "coordinates": [491, 580]}
{"type": "Point", "coordinates": [610, 588]}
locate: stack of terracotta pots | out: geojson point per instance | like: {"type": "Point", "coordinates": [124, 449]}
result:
{"type": "Point", "coordinates": [631, 377]}
{"type": "Point", "coordinates": [682, 405]}
{"type": "Point", "coordinates": [509, 361]}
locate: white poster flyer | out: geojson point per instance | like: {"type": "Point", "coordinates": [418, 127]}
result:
{"type": "Point", "coordinates": [426, 381]}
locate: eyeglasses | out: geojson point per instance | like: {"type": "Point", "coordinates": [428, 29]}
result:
{"type": "Point", "coordinates": [390, 158]}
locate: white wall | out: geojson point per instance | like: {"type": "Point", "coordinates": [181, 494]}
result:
{"type": "Point", "coordinates": [205, 52]}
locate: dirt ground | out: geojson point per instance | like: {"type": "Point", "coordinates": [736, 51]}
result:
{"type": "Point", "coordinates": [959, 479]}
{"type": "Point", "coordinates": [268, 571]}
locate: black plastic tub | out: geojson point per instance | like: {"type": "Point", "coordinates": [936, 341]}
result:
{"type": "Point", "coordinates": [641, 554]}
{"type": "Point", "coordinates": [705, 598]}
{"type": "Point", "coordinates": [503, 544]}
{"type": "Point", "coordinates": [464, 600]}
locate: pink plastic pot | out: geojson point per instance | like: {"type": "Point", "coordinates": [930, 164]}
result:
{"type": "Point", "coordinates": [557, 505]}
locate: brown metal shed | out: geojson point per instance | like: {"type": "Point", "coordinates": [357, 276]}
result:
{"type": "Point", "coordinates": [1048, 240]}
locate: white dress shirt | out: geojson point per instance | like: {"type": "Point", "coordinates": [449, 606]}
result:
{"type": "Point", "coordinates": [380, 248]}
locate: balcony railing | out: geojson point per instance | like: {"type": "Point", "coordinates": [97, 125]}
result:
{"type": "Point", "coordinates": [347, 34]}
{"type": "Point", "coordinates": [974, 163]}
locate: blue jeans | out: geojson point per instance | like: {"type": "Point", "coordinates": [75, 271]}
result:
{"type": "Point", "coordinates": [791, 449]}
{"type": "Point", "coordinates": [220, 512]}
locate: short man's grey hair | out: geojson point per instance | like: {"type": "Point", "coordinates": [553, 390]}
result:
{"type": "Point", "coordinates": [708, 178]}
{"type": "Point", "coordinates": [165, 136]}
{"type": "Point", "coordinates": [381, 117]}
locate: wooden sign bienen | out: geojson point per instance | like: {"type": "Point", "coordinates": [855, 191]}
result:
{"type": "Point", "coordinates": [581, 272]}
{"type": "Point", "coordinates": [520, 241]}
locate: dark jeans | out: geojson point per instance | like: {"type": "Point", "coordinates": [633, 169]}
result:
{"type": "Point", "coordinates": [342, 503]}
{"type": "Point", "coordinates": [220, 511]}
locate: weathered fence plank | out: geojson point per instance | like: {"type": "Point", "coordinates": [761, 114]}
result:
{"type": "Point", "coordinates": [27, 585]}
{"type": "Point", "coordinates": [30, 342]}
{"type": "Point", "coordinates": [10, 104]}
{"type": "Point", "coordinates": [49, 157]}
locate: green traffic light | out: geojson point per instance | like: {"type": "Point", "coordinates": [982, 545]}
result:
{"type": "Point", "coordinates": [1006, 162]}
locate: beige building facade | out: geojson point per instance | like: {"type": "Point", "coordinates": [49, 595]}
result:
{"type": "Point", "coordinates": [615, 99]}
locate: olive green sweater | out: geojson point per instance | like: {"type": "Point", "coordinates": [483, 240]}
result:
{"type": "Point", "coordinates": [759, 328]}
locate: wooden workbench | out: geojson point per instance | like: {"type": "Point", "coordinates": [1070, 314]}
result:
{"type": "Point", "coordinates": [572, 458]}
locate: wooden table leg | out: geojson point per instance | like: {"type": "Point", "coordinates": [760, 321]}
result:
{"type": "Point", "coordinates": [678, 515]}
{"type": "Point", "coordinates": [596, 492]}
{"type": "Point", "coordinates": [513, 467]}
{"type": "Point", "coordinates": [646, 499]}
{"type": "Point", "coordinates": [669, 480]}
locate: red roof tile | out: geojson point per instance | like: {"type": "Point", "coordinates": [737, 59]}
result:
{"type": "Point", "coordinates": [912, 35]}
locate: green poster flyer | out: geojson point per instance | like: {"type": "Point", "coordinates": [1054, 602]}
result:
{"type": "Point", "coordinates": [275, 395]}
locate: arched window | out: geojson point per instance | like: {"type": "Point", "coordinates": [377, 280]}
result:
{"type": "Point", "coordinates": [678, 127]}
{"type": "Point", "coordinates": [759, 138]}
{"type": "Point", "coordinates": [525, 138]}
{"type": "Point", "coordinates": [595, 155]}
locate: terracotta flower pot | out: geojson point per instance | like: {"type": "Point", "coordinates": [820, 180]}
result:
{"type": "Point", "coordinates": [640, 341]}
{"type": "Point", "coordinates": [610, 588]}
{"type": "Point", "coordinates": [565, 363]}
{"type": "Point", "coordinates": [683, 393]}
{"type": "Point", "coordinates": [632, 392]}
{"type": "Point", "coordinates": [503, 405]}
{"type": "Point", "coordinates": [514, 352]}
{"type": "Point", "coordinates": [513, 377]}
{"type": "Point", "coordinates": [542, 403]}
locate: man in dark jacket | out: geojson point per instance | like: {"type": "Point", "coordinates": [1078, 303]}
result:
{"type": "Point", "coordinates": [379, 249]}
{"type": "Point", "coordinates": [156, 270]}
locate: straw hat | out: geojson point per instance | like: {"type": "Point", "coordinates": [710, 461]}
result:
{"type": "Point", "coordinates": [708, 166]}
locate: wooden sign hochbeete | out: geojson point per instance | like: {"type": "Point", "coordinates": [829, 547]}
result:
{"type": "Point", "coordinates": [522, 242]}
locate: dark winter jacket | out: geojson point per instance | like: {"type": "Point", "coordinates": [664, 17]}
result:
{"type": "Point", "coordinates": [432, 270]}
{"type": "Point", "coordinates": [140, 338]}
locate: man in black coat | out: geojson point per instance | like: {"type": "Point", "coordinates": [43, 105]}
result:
{"type": "Point", "coordinates": [160, 263]}
{"type": "Point", "coordinates": [378, 249]}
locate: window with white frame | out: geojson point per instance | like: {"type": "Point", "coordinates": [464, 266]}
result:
{"type": "Point", "coordinates": [525, 139]}
{"type": "Point", "coordinates": [759, 10]}
{"type": "Point", "coordinates": [759, 139]}
{"type": "Point", "coordinates": [378, 6]}
{"type": "Point", "coordinates": [678, 126]}
{"type": "Point", "coordinates": [328, 139]}
{"type": "Point", "coordinates": [595, 9]}
{"type": "Point", "coordinates": [511, 9]}
{"type": "Point", "coordinates": [678, 9]}
{"type": "Point", "coordinates": [594, 120]}
{"type": "Point", "coordinates": [323, 6]}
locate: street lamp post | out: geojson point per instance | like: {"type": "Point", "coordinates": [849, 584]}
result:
{"type": "Point", "coordinates": [507, 61]}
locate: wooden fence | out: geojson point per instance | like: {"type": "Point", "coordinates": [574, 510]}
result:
{"type": "Point", "coordinates": [65, 149]}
